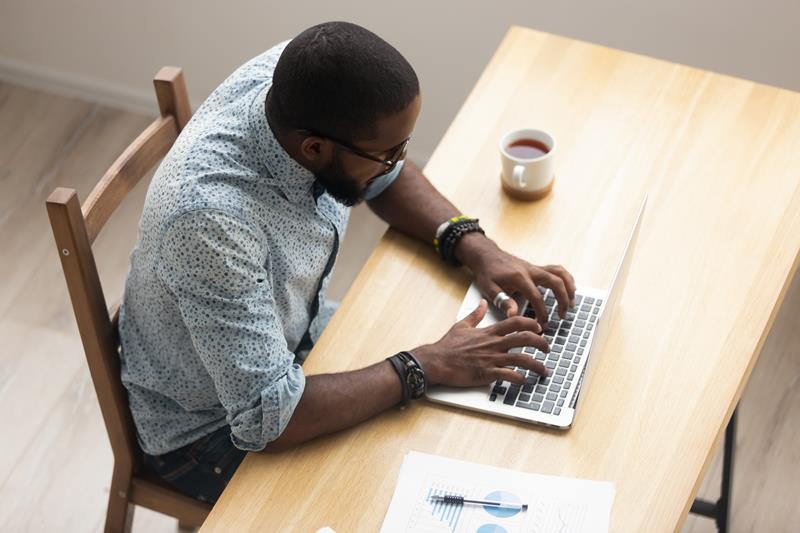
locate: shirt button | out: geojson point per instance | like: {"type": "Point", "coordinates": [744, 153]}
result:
{"type": "Point", "coordinates": [217, 470]}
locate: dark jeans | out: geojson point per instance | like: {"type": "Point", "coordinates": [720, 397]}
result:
{"type": "Point", "coordinates": [201, 469]}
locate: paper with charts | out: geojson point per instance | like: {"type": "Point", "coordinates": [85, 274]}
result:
{"type": "Point", "coordinates": [555, 504]}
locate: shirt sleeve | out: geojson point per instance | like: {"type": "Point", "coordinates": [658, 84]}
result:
{"type": "Point", "coordinates": [381, 184]}
{"type": "Point", "coordinates": [215, 265]}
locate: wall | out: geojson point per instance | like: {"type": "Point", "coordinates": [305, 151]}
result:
{"type": "Point", "coordinates": [108, 50]}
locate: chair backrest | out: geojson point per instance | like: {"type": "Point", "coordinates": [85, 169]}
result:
{"type": "Point", "coordinates": [75, 228]}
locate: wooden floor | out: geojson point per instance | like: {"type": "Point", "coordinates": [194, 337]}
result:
{"type": "Point", "coordinates": [56, 463]}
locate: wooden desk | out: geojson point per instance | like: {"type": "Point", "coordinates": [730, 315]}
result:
{"type": "Point", "coordinates": [721, 160]}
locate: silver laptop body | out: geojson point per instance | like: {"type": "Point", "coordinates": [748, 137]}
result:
{"type": "Point", "coordinates": [575, 343]}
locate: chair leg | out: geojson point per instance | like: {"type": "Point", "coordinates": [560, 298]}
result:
{"type": "Point", "coordinates": [119, 515]}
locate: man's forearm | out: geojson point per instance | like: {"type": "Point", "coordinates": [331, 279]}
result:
{"type": "Point", "coordinates": [413, 206]}
{"type": "Point", "coordinates": [331, 402]}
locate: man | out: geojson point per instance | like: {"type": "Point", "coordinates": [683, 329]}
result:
{"type": "Point", "coordinates": [238, 237]}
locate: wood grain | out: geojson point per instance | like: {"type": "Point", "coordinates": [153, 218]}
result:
{"type": "Point", "coordinates": [720, 158]}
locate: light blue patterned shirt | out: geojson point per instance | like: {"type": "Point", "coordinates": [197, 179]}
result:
{"type": "Point", "coordinates": [236, 245]}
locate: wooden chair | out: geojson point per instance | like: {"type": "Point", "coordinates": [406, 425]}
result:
{"type": "Point", "coordinates": [75, 228]}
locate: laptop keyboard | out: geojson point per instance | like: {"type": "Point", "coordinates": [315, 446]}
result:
{"type": "Point", "coordinates": [568, 340]}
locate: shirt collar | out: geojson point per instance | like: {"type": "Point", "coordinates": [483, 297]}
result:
{"type": "Point", "coordinates": [296, 181]}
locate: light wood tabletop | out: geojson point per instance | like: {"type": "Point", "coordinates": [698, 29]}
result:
{"type": "Point", "coordinates": [720, 158]}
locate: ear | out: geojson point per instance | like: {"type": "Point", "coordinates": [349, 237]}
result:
{"type": "Point", "coordinates": [316, 149]}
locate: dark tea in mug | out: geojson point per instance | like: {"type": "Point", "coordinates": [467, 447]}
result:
{"type": "Point", "coordinates": [527, 149]}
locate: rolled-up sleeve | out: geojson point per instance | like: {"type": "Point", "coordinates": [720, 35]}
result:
{"type": "Point", "coordinates": [216, 266]}
{"type": "Point", "coordinates": [382, 183]}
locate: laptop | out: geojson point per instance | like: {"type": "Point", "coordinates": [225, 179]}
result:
{"type": "Point", "coordinates": [575, 343]}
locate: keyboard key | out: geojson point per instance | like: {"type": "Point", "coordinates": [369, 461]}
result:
{"type": "Point", "coordinates": [589, 300]}
{"type": "Point", "coordinates": [499, 389]}
{"type": "Point", "coordinates": [524, 398]}
{"type": "Point", "coordinates": [573, 368]}
{"type": "Point", "coordinates": [540, 356]}
{"type": "Point", "coordinates": [586, 307]}
{"type": "Point", "coordinates": [557, 411]}
{"type": "Point", "coordinates": [577, 359]}
{"type": "Point", "coordinates": [560, 402]}
{"type": "Point", "coordinates": [564, 393]}
{"type": "Point", "coordinates": [547, 407]}
{"type": "Point", "coordinates": [538, 398]}
{"type": "Point", "coordinates": [511, 395]}
{"type": "Point", "coordinates": [586, 334]}
{"type": "Point", "coordinates": [555, 387]}
{"type": "Point", "coordinates": [572, 347]}
{"type": "Point", "coordinates": [570, 376]}
{"type": "Point", "coordinates": [549, 301]}
{"type": "Point", "coordinates": [492, 397]}
{"type": "Point", "coordinates": [595, 310]}
{"type": "Point", "coordinates": [574, 338]}
{"type": "Point", "coordinates": [557, 348]}
{"type": "Point", "coordinates": [527, 389]}
{"type": "Point", "coordinates": [550, 365]}
{"type": "Point", "coordinates": [598, 302]}
{"type": "Point", "coordinates": [583, 343]}
{"type": "Point", "coordinates": [552, 396]}
{"type": "Point", "coordinates": [558, 379]}
{"type": "Point", "coordinates": [561, 340]}
{"type": "Point", "coordinates": [553, 356]}
{"type": "Point", "coordinates": [593, 318]}
{"type": "Point", "coordinates": [589, 327]}
{"type": "Point", "coordinates": [580, 351]}
{"type": "Point", "coordinates": [583, 315]}
{"type": "Point", "coordinates": [564, 363]}
{"type": "Point", "coordinates": [560, 371]}
{"type": "Point", "coordinates": [529, 406]}
{"type": "Point", "coordinates": [567, 355]}
{"type": "Point", "coordinates": [580, 323]}
{"type": "Point", "coordinates": [541, 389]}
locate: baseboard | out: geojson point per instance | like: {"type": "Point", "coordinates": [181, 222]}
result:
{"type": "Point", "coordinates": [75, 86]}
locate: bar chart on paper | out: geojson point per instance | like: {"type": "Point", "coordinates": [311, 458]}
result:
{"type": "Point", "coordinates": [555, 505]}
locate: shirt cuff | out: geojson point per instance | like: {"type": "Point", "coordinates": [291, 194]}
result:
{"type": "Point", "coordinates": [381, 184]}
{"type": "Point", "coordinates": [253, 428]}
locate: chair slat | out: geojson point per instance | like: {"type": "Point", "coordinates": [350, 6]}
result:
{"type": "Point", "coordinates": [123, 175]}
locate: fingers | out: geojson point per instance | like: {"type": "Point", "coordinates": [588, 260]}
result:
{"type": "Point", "coordinates": [509, 307]}
{"type": "Point", "coordinates": [556, 284]}
{"type": "Point", "coordinates": [506, 374]}
{"type": "Point", "coordinates": [535, 300]}
{"type": "Point", "coordinates": [525, 361]}
{"type": "Point", "coordinates": [524, 338]}
{"type": "Point", "coordinates": [566, 277]}
{"type": "Point", "coordinates": [515, 323]}
{"type": "Point", "coordinates": [475, 317]}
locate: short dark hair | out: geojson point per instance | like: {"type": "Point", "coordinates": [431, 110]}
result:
{"type": "Point", "coordinates": [339, 79]}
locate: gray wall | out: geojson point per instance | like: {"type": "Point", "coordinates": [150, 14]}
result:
{"type": "Point", "coordinates": [109, 49]}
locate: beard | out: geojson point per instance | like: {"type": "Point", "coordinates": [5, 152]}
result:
{"type": "Point", "coordinates": [343, 188]}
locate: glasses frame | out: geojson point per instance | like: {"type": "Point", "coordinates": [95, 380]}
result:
{"type": "Point", "coordinates": [396, 153]}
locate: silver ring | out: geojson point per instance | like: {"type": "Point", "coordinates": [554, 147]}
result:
{"type": "Point", "coordinates": [500, 299]}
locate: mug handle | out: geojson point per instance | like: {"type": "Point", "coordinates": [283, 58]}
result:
{"type": "Point", "coordinates": [517, 178]}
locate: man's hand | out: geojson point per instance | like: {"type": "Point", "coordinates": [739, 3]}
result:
{"type": "Point", "coordinates": [496, 270]}
{"type": "Point", "coordinates": [468, 356]}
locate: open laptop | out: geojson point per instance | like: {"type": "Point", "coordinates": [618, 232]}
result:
{"type": "Point", "coordinates": [575, 343]}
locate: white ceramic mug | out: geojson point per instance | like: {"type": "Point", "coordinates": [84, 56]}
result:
{"type": "Point", "coordinates": [528, 179]}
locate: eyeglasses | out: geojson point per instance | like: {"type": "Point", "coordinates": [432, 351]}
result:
{"type": "Point", "coordinates": [396, 153]}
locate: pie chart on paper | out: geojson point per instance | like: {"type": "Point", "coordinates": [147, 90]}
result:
{"type": "Point", "coordinates": [491, 528]}
{"type": "Point", "coordinates": [501, 496]}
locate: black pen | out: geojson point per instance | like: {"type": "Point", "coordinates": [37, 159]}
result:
{"type": "Point", "coordinates": [461, 500]}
